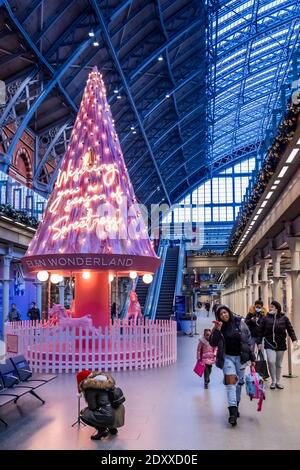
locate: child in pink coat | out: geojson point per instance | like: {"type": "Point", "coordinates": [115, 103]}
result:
{"type": "Point", "coordinates": [206, 354]}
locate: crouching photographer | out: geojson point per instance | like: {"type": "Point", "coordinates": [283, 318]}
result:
{"type": "Point", "coordinates": [105, 410]}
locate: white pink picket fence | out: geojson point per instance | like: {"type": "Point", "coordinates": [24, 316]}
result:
{"type": "Point", "coordinates": [121, 346]}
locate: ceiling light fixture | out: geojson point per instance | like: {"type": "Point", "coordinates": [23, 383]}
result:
{"type": "Point", "coordinates": [292, 155]}
{"type": "Point", "coordinates": [283, 171]}
{"type": "Point", "coordinates": [269, 194]}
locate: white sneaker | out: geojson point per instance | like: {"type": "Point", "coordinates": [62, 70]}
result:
{"type": "Point", "coordinates": [281, 387]}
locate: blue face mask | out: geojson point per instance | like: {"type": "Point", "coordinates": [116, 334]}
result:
{"type": "Point", "coordinates": [258, 309]}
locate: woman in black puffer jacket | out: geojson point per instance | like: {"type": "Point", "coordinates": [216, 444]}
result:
{"type": "Point", "coordinates": [273, 329]}
{"type": "Point", "coordinates": [232, 338]}
{"type": "Point", "coordinates": [99, 412]}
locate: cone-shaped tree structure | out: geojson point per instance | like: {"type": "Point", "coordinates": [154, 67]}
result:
{"type": "Point", "coordinates": [92, 220]}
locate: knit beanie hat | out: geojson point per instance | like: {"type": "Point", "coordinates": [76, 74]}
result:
{"type": "Point", "coordinates": [82, 375]}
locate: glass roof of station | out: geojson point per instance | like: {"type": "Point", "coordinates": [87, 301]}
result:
{"type": "Point", "coordinates": [253, 42]}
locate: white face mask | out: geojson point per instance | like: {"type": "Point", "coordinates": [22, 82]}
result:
{"type": "Point", "coordinates": [258, 309]}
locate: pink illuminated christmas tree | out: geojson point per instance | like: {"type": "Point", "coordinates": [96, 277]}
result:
{"type": "Point", "coordinates": [92, 210]}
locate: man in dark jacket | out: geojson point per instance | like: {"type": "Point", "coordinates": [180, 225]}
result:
{"type": "Point", "coordinates": [215, 308]}
{"type": "Point", "coordinates": [99, 413]}
{"type": "Point", "coordinates": [14, 314]}
{"type": "Point", "coordinates": [232, 337]}
{"type": "Point", "coordinates": [273, 329]}
{"type": "Point", "coordinates": [33, 313]}
{"type": "Point", "coordinates": [207, 308]}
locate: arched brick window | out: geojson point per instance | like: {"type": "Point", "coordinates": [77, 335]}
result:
{"type": "Point", "coordinates": [23, 164]}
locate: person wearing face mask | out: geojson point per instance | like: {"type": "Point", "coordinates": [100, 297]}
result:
{"type": "Point", "coordinates": [253, 320]}
{"type": "Point", "coordinates": [232, 337]}
{"type": "Point", "coordinates": [273, 329]}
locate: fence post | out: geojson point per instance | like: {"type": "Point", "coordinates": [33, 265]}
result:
{"type": "Point", "coordinates": [47, 341]}
{"type": "Point", "coordinates": [130, 335]}
{"type": "Point", "coordinates": [113, 347]}
{"type": "Point", "coordinates": [73, 348]}
{"type": "Point", "coordinates": [86, 343]}
{"type": "Point", "coordinates": [93, 348]}
{"type": "Point", "coordinates": [60, 340]}
{"type": "Point", "coordinates": [67, 350]}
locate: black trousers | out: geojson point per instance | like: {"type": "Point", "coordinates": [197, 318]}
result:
{"type": "Point", "coordinates": [207, 373]}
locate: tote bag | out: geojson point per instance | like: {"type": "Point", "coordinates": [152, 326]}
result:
{"type": "Point", "coordinates": [261, 366]}
{"type": "Point", "coordinates": [199, 368]}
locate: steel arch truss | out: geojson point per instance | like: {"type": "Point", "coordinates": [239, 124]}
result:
{"type": "Point", "coordinates": [177, 121]}
{"type": "Point", "coordinates": [252, 43]}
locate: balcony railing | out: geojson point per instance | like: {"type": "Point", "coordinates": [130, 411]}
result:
{"type": "Point", "coordinates": [17, 202]}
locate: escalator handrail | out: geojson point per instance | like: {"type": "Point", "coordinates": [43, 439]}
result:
{"type": "Point", "coordinates": [155, 292]}
{"type": "Point", "coordinates": [152, 287]}
{"type": "Point", "coordinates": [180, 264]}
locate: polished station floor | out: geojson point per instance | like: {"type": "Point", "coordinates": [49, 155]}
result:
{"type": "Point", "coordinates": [166, 409]}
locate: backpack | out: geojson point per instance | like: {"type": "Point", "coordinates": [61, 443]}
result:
{"type": "Point", "coordinates": [116, 397]}
{"type": "Point", "coordinates": [255, 387]}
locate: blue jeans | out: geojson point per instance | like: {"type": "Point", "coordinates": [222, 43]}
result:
{"type": "Point", "coordinates": [232, 366]}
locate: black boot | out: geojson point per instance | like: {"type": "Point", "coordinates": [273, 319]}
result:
{"type": "Point", "coordinates": [238, 413]}
{"type": "Point", "coordinates": [233, 411]}
{"type": "Point", "coordinates": [100, 434]}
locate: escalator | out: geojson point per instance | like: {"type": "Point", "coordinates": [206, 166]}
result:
{"type": "Point", "coordinates": [142, 290]}
{"type": "Point", "coordinates": [168, 284]}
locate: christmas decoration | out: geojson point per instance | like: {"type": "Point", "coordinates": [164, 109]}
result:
{"type": "Point", "coordinates": [92, 209]}
{"type": "Point", "coordinates": [285, 134]}
{"type": "Point", "coordinates": [92, 221]}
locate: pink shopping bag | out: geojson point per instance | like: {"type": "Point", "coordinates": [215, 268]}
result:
{"type": "Point", "coordinates": [199, 368]}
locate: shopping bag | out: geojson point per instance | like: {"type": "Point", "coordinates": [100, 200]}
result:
{"type": "Point", "coordinates": [261, 366]}
{"type": "Point", "coordinates": [255, 387]}
{"type": "Point", "coordinates": [262, 369]}
{"type": "Point", "coordinates": [199, 368]}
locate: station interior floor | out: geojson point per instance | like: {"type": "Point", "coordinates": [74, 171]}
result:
{"type": "Point", "coordinates": [166, 409]}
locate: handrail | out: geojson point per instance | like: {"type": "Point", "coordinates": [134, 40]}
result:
{"type": "Point", "coordinates": [180, 264]}
{"type": "Point", "coordinates": [151, 291]}
{"type": "Point", "coordinates": [155, 289]}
